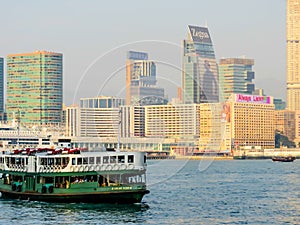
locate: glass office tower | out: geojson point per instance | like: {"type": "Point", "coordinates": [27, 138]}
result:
{"type": "Point", "coordinates": [141, 82]}
{"type": "Point", "coordinates": [35, 87]}
{"type": "Point", "coordinates": [236, 77]}
{"type": "Point", "coordinates": [200, 69]}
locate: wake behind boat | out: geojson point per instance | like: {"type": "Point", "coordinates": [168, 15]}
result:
{"type": "Point", "coordinates": [73, 175]}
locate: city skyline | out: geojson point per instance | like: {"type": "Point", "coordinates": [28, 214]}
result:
{"type": "Point", "coordinates": [83, 34]}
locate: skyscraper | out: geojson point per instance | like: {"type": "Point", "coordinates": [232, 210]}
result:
{"type": "Point", "coordinates": [141, 88]}
{"type": "Point", "coordinates": [35, 87]}
{"type": "Point", "coordinates": [200, 69]}
{"type": "Point", "coordinates": [1, 86]}
{"type": "Point", "coordinates": [293, 54]}
{"type": "Point", "coordinates": [236, 76]}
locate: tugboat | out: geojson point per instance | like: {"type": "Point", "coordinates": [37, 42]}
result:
{"type": "Point", "coordinates": [73, 175]}
{"type": "Point", "coordinates": [283, 158]}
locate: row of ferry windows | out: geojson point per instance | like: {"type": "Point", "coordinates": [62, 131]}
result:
{"type": "Point", "coordinates": [105, 160]}
{"type": "Point", "coordinates": [87, 160]}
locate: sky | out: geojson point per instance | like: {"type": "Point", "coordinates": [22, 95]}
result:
{"type": "Point", "coordinates": [95, 35]}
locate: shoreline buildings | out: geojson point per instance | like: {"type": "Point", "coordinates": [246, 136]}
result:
{"type": "Point", "coordinates": [200, 79]}
{"type": "Point", "coordinates": [35, 87]}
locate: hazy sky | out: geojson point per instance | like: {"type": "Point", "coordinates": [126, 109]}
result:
{"type": "Point", "coordinates": [94, 36]}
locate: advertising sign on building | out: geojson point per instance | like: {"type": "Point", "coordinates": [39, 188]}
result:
{"type": "Point", "coordinates": [253, 99]}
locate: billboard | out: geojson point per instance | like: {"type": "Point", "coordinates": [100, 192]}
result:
{"type": "Point", "coordinates": [253, 99]}
{"type": "Point", "coordinates": [225, 115]}
{"type": "Point", "coordinates": [133, 55]}
{"type": "Point", "coordinates": [199, 34]}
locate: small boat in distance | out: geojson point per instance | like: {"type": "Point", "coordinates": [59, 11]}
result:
{"type": "Point", "coordinates": [283, 158]}
{"type": "Point", "coordinates": [73, 175]}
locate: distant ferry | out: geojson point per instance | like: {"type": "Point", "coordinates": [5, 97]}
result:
{"type": "Point", "coordinates": [73, 175]}
{"type": "Point", "coordinates": [283, 158]}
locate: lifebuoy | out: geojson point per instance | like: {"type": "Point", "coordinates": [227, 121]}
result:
{"type": "Point", "coordinates": [13, 187]}
{"type": "Point", "coordinates": [116, 167]}
{"type": "Point", "coordinates": [50, 189]}
{"type": "Point", "coordinates": [44, 189]}
{"type": "Point", "coordinates": [123, 167]}
{"type": "Point", "coordinates": [91, 168]}
{"type": "Point", "coordinates": [81, 169]}
{"type": "Point", "coordinates": [131, 167]}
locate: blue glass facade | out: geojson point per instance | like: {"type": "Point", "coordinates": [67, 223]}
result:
{"type": "Point", "coordinates": [200, 82]}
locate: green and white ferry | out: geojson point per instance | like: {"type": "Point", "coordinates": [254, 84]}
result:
{"type": "Point", "coordinates": [73, 175]}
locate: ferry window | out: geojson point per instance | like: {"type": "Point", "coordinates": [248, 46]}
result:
{"type": "Point", "coordinates": [65, 161]}
{"type": "Point", "coordinates": [85, 160]}
{"type": "Point", "coordinates": [79, 161]}
{"type": "Point", "coordinates": [73, 161]}
{"type": "Point", "coordinates": [131, 159]}
{"type": "Point", "coordinates": [105, 159]}
{"type": "Point", "coordinates": [91, 160]}
{"type": "Point", "coordinates": [43, 162]}
{"type": "Point", "coordinates": [98, 160]}
{"type": "Point", "coordinates": [145, 159]}
{"type": "Point", "coordinates": [50, 161]}
{"type": "Point", "coordinates": [121, 159]}
{"type": "Point", "coordinates": [58, 161]}
{"type": "Point", "coordinates": [113, 159]}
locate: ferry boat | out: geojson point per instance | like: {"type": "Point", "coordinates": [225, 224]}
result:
{"type": "Point", "coordinates": [283, 158]}
{"type": "Point", "coordinates": [73, 175]}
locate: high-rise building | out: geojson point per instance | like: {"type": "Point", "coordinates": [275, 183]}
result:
{"type": "Point", "coordinates": [293, 54]}
{"type": "Point", "coordinates": [172, 121]}
{"type": "Point", "coordinates": [251, 120]}
{"type": "Point", "coordinates": [1, 86]}
{"type": "Point", "coordinates": [200, 70]}
{"type": "Point", "coordinates": [99, 116]}
{"type": "Point", "coordinates": [236, 77]}
{"type": "Point", "coordinates": [141, 88]}
{"type": "Point", "coordinates": [35, 87]}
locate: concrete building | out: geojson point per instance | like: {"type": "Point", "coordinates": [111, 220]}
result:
{"type": "Point", "coordinates": [284, 121]}
{"type": "Point", "coordinates": [297, 128]}
{"type": "Point", "coordinates": [141, 82]}
{"type": "Point", "coordinates": [72, 121]}
{"type": "Point", "coordinates": [99, 116]}
{"type": "Point", "coordinates": [214, 129]}
{"type": "Point", "coordinates": [132, 121]}
{"type": "Point", "coordinates": [293, 54]}
{"type": "Point", "coordinates": [35, 87]}
{"type": "Point", "coordinates": [235, 77]}
{"type": "Point", "coordinates": [200, 79]}
{"type": "Point", "coordinates": [252, 121]}
{"type": "Point", "coordinates": [173, 121]}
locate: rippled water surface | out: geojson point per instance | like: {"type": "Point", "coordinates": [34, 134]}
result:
{"type": "Point", "coordinates": [186, 192]}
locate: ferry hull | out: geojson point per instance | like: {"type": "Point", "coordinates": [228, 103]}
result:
{"type": "Point", "coordinates": [125, 197]}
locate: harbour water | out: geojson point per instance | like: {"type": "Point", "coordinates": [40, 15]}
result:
{"type": "Point", "coordinates": [186, 192]}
